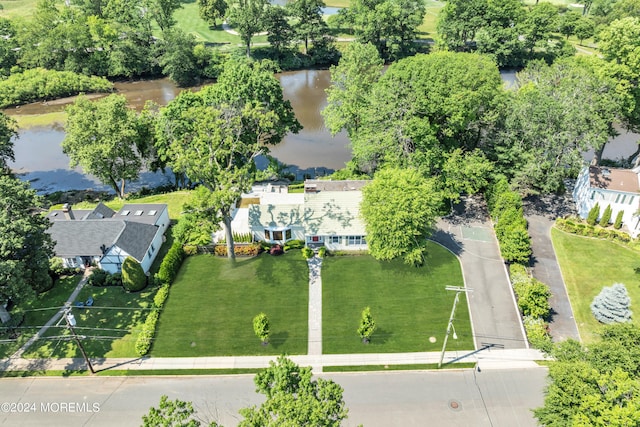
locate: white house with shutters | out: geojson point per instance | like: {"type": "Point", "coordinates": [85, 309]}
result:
{"type": "Point", "coordinates": [618, 188]}
{"type": "Point", "coordinates": [105, 238]}
{"type": "Point", "coordinates": [327, 214]}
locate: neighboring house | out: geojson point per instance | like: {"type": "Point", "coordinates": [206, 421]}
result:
{"type": "Point", "coordinates": [105, 237]}
{"type": "Point", "coordinates": [327, 213]}
{"type": "Point", "coordinates": [619, 188]}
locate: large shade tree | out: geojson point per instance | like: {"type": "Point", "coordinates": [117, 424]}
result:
{"type": "Point", "coordinates": [7, 132]}
{"type": "Point", "coordinates": [107, 139]}
{"type": "Point", "coordinates": [247, 18]}
{"type": "Point", "coordinates": [25, 245]}
{"type": "Point", "coordinates": [215, 135]}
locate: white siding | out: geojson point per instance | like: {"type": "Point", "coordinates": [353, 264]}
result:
{"type": "Point", "coordinates": [150, 257]}
{"type": "Point", "coordinates": [113, 259]}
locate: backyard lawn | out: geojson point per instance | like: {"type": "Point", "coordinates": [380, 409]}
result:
{"type": "Point", "coordinates": [212, 304]}
{"type": "Point", "coordinates": [409, 304]}
{"type": "Point", "coordinates": [587, 266]}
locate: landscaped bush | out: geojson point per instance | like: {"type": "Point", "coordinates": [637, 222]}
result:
{"type": "Point", "coordinates": [143, 343]}
{"type": "Point", "coordinates": [618, 222]}
{"type": "Point", "coordinates": [538, 333]}
{"type": "Point", "coordinates": [114, 279]}
{"type": "Point", "coordinates": [38, 84]}
{"type": "Point", "coordinates": [594, 213]}
{"type": "Point", "coordinates": [612, 305]}
{"type": "Point", "coordinates": [98, 277]}
{"type": "Point", "coordinates": [322, 252]}
{"type": "Point", "coordinates": [533, 298]}
{"type": "Point", "coordinates": [307, 252]}
{"type": "Point", "coordinates": [518, 273]}
{"type": "Point", "coordinates": [170, 264]}
{"type": "Point", "coordinates": [592, 231]}
{"type": "Point", "coordinates": [294, 244]}
{"type": "Point", "coordinates": [606, 217]}
{"type": "Point", "coordinates": [133, 277]}
{"type": "Point", "coordinates": [161, 296]}
{"type": "Point", "coordinates": [190, 250]}
{"type": "Point", "coordinates": [252, 249]}
{"type": "Point", "coordinates": [505, 207]}
{"type": "Point", "coordinates": [276, 250]}
{"type": "Point", "coordinates": [8, 329]}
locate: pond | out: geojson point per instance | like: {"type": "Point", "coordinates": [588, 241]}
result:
{"type": "Point", "coordinates": [39, 157]}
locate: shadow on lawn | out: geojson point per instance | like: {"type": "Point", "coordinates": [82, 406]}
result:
{"type": "Point", "coordinates": [278, 339]}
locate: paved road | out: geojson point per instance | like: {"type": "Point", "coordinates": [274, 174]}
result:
{"type": "Point", "coordinates": [494, 315]}
{"type": "Point", "coordinates": [541, 214]}
{"type": "Point", "coordinates": [487, 398]}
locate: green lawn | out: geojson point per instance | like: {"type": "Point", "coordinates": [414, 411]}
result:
{"type": "Point", "coordinates": [587, 266]}
{"type": "Point", "coordinates": [111, 325]}
{"type": "Point", "coordinates": [409, 304]}
{"type": "Point", "coordinates": [212, 304]}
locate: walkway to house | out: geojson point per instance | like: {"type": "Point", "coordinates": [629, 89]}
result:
{"type": "Point", "coordinates": [56, 317]}
{"type": "Point", "coordinates": [315, 307]}
{"type": "Point", "coordinates": [469, 235]}
{"type": "Point", "coordinates": [541, 213]}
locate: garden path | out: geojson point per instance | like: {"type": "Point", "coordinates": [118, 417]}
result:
{"type": "Point", "coordinates": [315, 306]}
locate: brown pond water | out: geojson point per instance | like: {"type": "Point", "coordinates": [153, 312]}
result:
{"type": "Point", "coordinates": [39, 157]}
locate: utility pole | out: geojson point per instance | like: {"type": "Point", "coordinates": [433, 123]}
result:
{"type": "Point", "coordinates": [71, 322]}
{"type": "Point", "coordinates": [458, 290]}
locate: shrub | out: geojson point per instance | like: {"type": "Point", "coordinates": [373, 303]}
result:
{"type": "Point", "coordinates": [533, 298]}
{"type": "Point", "coordinates": [261, 327]}
{"type": "Point", "coordinates": [133, 277]}
{"type": "Point", "coordinates": [9, 328]}
{"type": "Point", "coordinates": [594, 213]}
{"type": "Point", "coordinates": [190, 250]}
{"type": "Point", "coordinates": [538, 333]}
{"type": "Point", "coordinates": [518, 273]}
{"type": "Point", "coordinates": [114, 279]}
{"type": "Point", "coordinates": [307, 252]}
{"type": "Point", "coordinates": [592, 231]}
{"type": "Point", "coordinates": [98, 277]}
{"type": "Point", "coordinates": [505, 207]}
{"type": "Point", "coordinates": [618, 222]}
{"type": "Point", "coordinates": [161, 296]}
{"type": "Point", "coordinates": [240, 250]}
{"type": "Point", "coordinates": [606, 217]}
{"type": "Point", "coordinates": [612, 305]}
{"type": "Point", "coordinates": [294, 244]}
{"type": "Point", "coordinates": [276, 250]}
{"type": "Point", "coordinates": [170, 264]}
{"type": "Point", "coordinates": [56, 266]}
{"type": "Point", "coordinates": [367, 325]}
{"type": "Point", "coordinates": [322, 252]}
{"type": "Point", "coordinates": [145, 338]}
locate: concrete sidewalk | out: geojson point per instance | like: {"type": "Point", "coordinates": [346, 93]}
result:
{"type": "Point", "coordinates": [488, 358]}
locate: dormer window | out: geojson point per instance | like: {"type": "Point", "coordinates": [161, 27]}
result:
{"type": "Point", "coordinates": [124, 213]}
{"type": "Point", "coordinates": [151, 213]}
{"type": "Point", "coordinates": [138, 213]}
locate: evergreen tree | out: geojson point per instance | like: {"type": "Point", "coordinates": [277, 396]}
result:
{"type": "Point", "coordinates": [618, 222]}
{"type": "Point", "coordinates": [367, 325]}
{"type": "Point", "coordinates": [594, 213]}
{"type": "Point", "coordinates": [606, 217]}
{"type": "Point", "coordinates": [612, 304]}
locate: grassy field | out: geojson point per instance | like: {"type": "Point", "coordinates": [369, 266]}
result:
{"type": "Point", "coordinates": [409, 304]}
{"type": "Point", "coordinates": [212, 303]}
{"type": "Point", "coordinates": [175, 201]}
{"type": "Point", "coordinates": [587, 266]}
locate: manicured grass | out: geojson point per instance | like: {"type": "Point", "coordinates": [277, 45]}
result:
{"type": "Point", "coordinates": [587, 266]}
{"type": "Point", "coordinates": [39, 310]}
{"type": "Point", "coordinates": [409, 304]}
{"type": "Point", "coordinates": [213, 301]}
{"type": "Point", "coordinates": [175, 201]}
{"type": "Point", "coordinates": [417, 367]}
{"type": "Point", "coordinates": [111, 326]}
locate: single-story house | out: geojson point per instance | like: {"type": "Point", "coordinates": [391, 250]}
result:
{"type": "Point", "coordinates": [105, 237]}
{"type": "Point", "coordinates": [618, 188]}
{"type": "Point", "coordinates": [326, 213]}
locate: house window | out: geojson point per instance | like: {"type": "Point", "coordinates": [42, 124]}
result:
{"type": "Point", "coordinates": [617, 198]}
{"type": "Point", "coordinates": [335, 240]}
{"type": "Point", "coordinates": [267, 235]}
{"type": "Point", "coordinates": [355, 240]}
{"type": "Point", "coordinates": [153, 249]}
{"type": "Point", "coordinates": [277, 235]}
{"type": "Point", "coordinates": [138, 213]}
{"type": "Point", "coordinates": [631, 198]}
{"type": "Point", "coordinates": [124, 213]}
{"type": "Point", "coordinates": [287, 234]}
{"type": "Point", "coordinates": [624, 196]}
{"type": "Point", "coordinates": [151, 213]}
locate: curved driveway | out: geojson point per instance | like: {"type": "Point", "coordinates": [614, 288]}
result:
{"type": "Point", "coordinates": [468, 234]}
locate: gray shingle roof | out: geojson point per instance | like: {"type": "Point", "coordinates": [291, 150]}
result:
{"type": "Point", "coordinates": [145, 209]}
{"type": "Point", "coordinates": [84, 238]}
{"type": "Point", "coordinates": [136, 238]}
{"type": "Point", "coordinates": [101, 211]}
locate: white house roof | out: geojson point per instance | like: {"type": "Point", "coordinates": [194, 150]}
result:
{"type": "Point", "coordinates": [334, 213]}
{"type": "Point", "coordinates": [622, 180]}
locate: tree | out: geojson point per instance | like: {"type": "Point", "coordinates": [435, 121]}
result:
{"type": "Point", "coordinates": [246, 16]}
{"type": "Point", "coordinates": [106, 139]}
{"type": "Point", "coordinates": [606, 217]}
{"type": "Point", "coordinates": [612, 304]}
{"type": "Point", "coordinates": [594, 214]}
{"type": "Point", "coordinates": [8, 45]}
{"type": "Point", "coordinates": [499, 35]}
{"type": "Point", "coordinates": [8, 131]}
{"type": "Point", "coordinates": [294, 399]}
{"type": "Point", "coordinates": [567, 23]}
{"type": "Point", "coordinates": [533, 298]}
{"type": "Point", "coordinates": [618, 222]}
{"type": "Point", "coordinates": [177, 60]}
{"type": "Point", "coordinates": [133, 277]}
{"type": "Point", "coordinates": [390, 25]}
{"type": "Point", "coordinates": [367, 325]}
{"type": "Point", "coordinates": [279, 32]}
{"type": "Point", "coordinates": [162, 12]}
{"type": "Point", "coordinates": [261, 327]}
{"type": "Point", "coordinates": [539, 24]}
{"type": "Point", "coordinates": [352, 80]}
{"type": "Point", "coordinates": [170, 413]}
{"type": "Point", "coordinates": [215, 135]}
{"type": "Point", "coordinates": [212, 10]}
{"type": "Point", "coordinates": [309, 24]}
{"type": "Point", "coordinates": [585, 28]}
{"type": "Point", "coordinates": [399, 208]}
{"type": "Point", "coordinates": [25, 245]}
{"type": "Point", "coordinates": [459, 20]}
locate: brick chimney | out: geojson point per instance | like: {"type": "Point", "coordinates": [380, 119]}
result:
{"type": "Point", "coordinates": [68, 213]}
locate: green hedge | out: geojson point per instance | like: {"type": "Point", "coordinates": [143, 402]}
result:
{"type": "Point", "coordinates": [40, 84]}
{"type": "Point", "coordinates": [161, 296]}
{"type": "Point", "coordinates": [143, 343]}
{"type": "Point", "coordinates": [538, 333]}
{"type": "Point", "coordinates": [505, 207]}
{"type": "Point", "coordinates": [170, 264]}
{"type": "Point", "coordinates": [133, 277]}
{"type": "Point", "coordinates": [574, 226]}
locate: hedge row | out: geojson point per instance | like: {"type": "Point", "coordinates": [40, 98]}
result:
{"type": "Point", "coordinates": [143, 343]}
{"type": "Point", "coordinates": [170, 264]}
{"type": "Point", "coordinates": [505, 207]}
{"type": "Point", "coordinates": [38, 84]}
{"type": "Point", "coordinates": [582, 229]}
{"type": "Point", "coordinates": [161, 296]}
{"type": "Point", "coordinates": [240, 250]}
